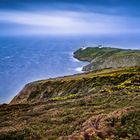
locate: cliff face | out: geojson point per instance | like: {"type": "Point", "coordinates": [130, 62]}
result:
{"type": "Point", "coordinates": [100, 58]}
{"type": "Point", "coordinates": [94, 105]}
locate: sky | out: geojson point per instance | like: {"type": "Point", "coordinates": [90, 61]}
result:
{"type": "Point", "coordinates": [69, 17]}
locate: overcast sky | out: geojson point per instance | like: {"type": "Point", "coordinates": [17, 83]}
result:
{"type": "Point", "coordinates": [69, 17]}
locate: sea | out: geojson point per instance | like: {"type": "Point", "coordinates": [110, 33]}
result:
{"type": "Point", "coordinates": [24, 59]}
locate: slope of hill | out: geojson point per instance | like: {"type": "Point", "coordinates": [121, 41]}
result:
{"type": "Point", "coordinates": [105, 57]}
{"type": "Point", "coordinates": [93, 105]}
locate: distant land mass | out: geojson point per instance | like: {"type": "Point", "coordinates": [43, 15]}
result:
{"type": "Point", "coordinates": [102, 103]}
{"type": "Point", "coordinates": [106, 57]}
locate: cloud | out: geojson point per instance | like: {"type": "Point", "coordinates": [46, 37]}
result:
{"type": "Point", "coordinates": [66, 23]}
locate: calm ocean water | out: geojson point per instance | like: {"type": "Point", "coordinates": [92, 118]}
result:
{"type": "Point", "coordinates": [26, 59]}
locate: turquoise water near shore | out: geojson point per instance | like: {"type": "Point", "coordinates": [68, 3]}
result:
{"type": "Point", "coordinates": [26, 59]}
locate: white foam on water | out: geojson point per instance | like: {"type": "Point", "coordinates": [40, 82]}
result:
{"type": "Point", "coordinates": [7, 57]}
{"type": "Point", "coordinates": [79, 69]}
{"type": "Point", "coordinates": [73, 59]}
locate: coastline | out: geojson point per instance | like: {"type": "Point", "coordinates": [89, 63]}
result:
{"type": "Point", "coordinates": [84, 63]}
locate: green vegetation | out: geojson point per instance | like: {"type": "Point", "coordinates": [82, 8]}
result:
{"type": "Point", "coordinates": [97, 105]}
{"type": "Point", "coordinates": [106, 57]}
{"type": "Point", "coordinates": [93, 52]}
{"type": "Point", "coordinates": [93, 82]}
{"type": "Point", "coordinates": [70, 96]}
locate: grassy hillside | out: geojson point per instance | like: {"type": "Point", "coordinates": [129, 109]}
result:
{"type": "Point", "coordinates": [93, 105]}
{"type": "Point", "coordinates": [90, 53]}
{"type": "Point", "coordinates": [107, 57]}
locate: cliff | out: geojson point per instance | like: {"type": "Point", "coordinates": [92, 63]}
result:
{"type": "Point", "coordinates": [105, 57]}
{"type": "Point", "coordinates": [93, 105]}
